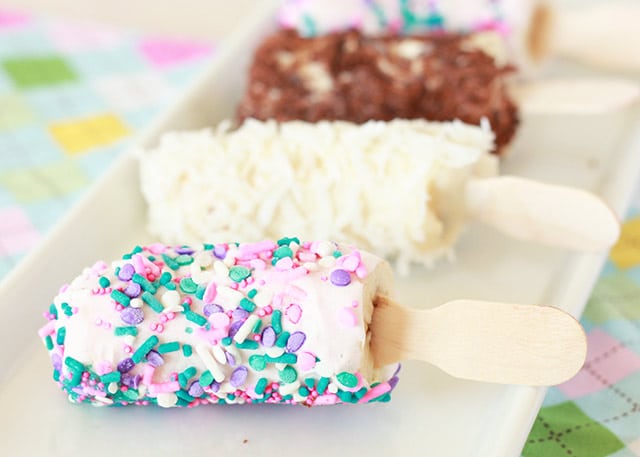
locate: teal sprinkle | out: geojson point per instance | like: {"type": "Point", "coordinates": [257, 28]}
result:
{"type": "Point", "coordinates": [226, 341]}
{"type": "Point", "coordinates": [347, 379]}
{"type": "Point", "coordinates": [256, 327]}
{"type": "Point", "coordinates": [282, 339]}
{"type": "Point", "coordinates": [182, 395]}
{"type": "Point", "coordinates": [310, 382]}
{"type": "Point", "coordinates": [208, 247]}
{"type": "Point", "coordinates": [195, 318]}
{"type": "Point", "coordinates": [144, 349]}
{"type": "Point", "coordinates": [248, 344]}
{"type": "Point", "coordinates": [126, 330]}
{"type": "Point", "coordinates": [144, 283]}
{"type": "Point", "coordinates": [117, 272]}
{"type": "Point", "coordinates": [288, 374]}
{"type": "Point", "coordinates": [383, 398]}
{"type": "Point", "coordinates": [261, 385]}
{"type": "Point", "coordinates": [287, 397]}
{"type": "Point", "coordinates": [136, 250]}
{"type": "Point", "coordinates": [252, 293]}
{"type": "Point", "coordinates": [281, 253]}
{"type": "Point", "coordinates": [276, 321]}
{"type": "Point", "coordinates": [75, 380]}
{"type": "Point", "coordinates": [56, 375]}
{"type": "Point", "coordinates": [60, 336]}
{"type": "Point", "coordinates": [184, 259]}
{"type": "Point", "coordinates": [131, 394]}
{"type": "Point", "coordinates": [169, 347]}
{"type": "Point", "coordinates": [303, 391]}
{"type": "Point", "coordinates": [170, 286]}
{"type": "Point", "coordinates": [53, 310]}
{"type": "Point", "coordinates": [257, 362]}
{"type": "Point", "coordinates": [74, 365]}
{"type": "Point", "coordinates": [120, 297]}
{"type": "Point", "coordinates": [188, 330]}
{"type": "Point", "coordinates": [170, 262]}
{"type": "Point", "coordinates": [104, 282]}
{"type": "Point", "coordinates": [360, 393]}
{"type": "Point", "coordinates": [309, 25]}
{"type": "Point", "coordinates": [238, 273]}
{"type": "Point", "coordinates": [190, 372]}
{"type": "Point", "coordinates": [187, 350]}
{"type": "Point", "coordinates": [68, 311]}
{"type": "Point", "coordinates": [286, 241]}
{"type": "Point", "coordinates": [206, 379]}
{"type": "Point", "coordinates": [152, 301]}
{"type": "Point", "coordinates": [182, 380]}
{"type": "Point", "coordinates": [322, 385]}
{"type": "Point", "coordinates": [181, 403]}
{"type": "Point", "coordinates": [247, 305]}
{"type": "Point", "coordinates": [200, 292]}
{"type": "Point", "coordinates": [231, 396]}
{"type": "Point", "coordinates": [152, 258]}
{"type": "Point", "coordinates": [48, 341]}
{"type": "Point", "coordinates": [107, 378]}
{"type": "Point", "coordinates": [221, 401]}
{"type": "Point", "coordinates": [337, 253]}
{"type": "Point", "coordinates": [165, 278]}
{"type": "Point", "coordinates": [287, 357]}
{"type": "Point", "coordinates": [345, 396]}
{"type": "Point", "coordinates": [188, 286]}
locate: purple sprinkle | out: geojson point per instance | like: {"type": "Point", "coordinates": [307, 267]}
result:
{"type": "Point", "coordinates": [56, 360]}
{"type": "Point", "coordinates": [195, 389]}
{"type": "Point", "coordinates": [340, 277]}
{"type": "Point", "coordinates": [131, 381]}
{"type": "Point", "coordinates": [126, 272]}
{"type": "Point", "coordinates": [215, 386]}
{"type": "Point", "coordinates": [126, 365]}
{"type": "Point", "coordinates": [395, 373]}
{"type": "Point", "coordinates": [234, 328]}
{"type": "Point", "coordinates": [154, 358]}
{"type": "Point", "coordinates": [132, 316]}
{"type": "Point", "coordinates": [208, 310]}
{"type": "Point", "coordinates": [268, 337]}
{"type": "Point", "coordinates": [184, 250]}
{"type": "Point", "coordinates": [239, 314]}
{"type": "Point", "coordinates": [133, 289]}
{"type": "Point", "coordinates": [231, 360]}
{"type": "Point", "coordinates": [295, 341]}
{"type": "Point", "coordinates": [393, 382]}
{"type": "Point", "coordinates": [239, 376]}
{"type": "Point", "coordinates": [220, 251]}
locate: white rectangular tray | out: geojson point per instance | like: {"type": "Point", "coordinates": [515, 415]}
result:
{"type": "Point", "coordinates": [430, 413]}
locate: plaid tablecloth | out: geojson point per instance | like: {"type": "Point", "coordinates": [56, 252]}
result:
{"type": "Point", "coordinates": [71, 95]}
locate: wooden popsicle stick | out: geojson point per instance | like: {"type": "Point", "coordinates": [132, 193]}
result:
{"type": "Point", "coordinates": [482, 341]}
{"type": "Point", "coordinates": [544, 213]}
{"type": "Point", "coordinates": [574, 96]}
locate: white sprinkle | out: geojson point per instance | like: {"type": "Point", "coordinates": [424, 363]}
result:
{"type": "Point", "coordinates": [204, 259]}
{"type": "Point", "coordinates": [287, 389]}
{"type": "Point", "coordinates": [221, 269]}
{"type": "Point", "coordinates": [228, 298]}
{"type": "Point", "coordinates": [245, 329]}
{"type": "Point", "coordinates": [311, 266]}
{"type": "Point", "coordinates": [105, 400]}
{"type": "Point", "coordinates": [327, 262]}
{"type": "Point", "coordinates": [275, 351]}
{"type": "Point", "coordinates": [112, 388]}
{"type": "Point", "coordinates": [167, 400]}
{"type": "Point", "coordinates": [136, 303]}
{"type": "Point", "coordinates": [332, 388]}
{"type": "Point", "coordinates": [210, 363]}
{"type": "Point", "coordinates": [218, 354]}
{"type": "Point", "coordinates": [325, 248]}
{"type": "Point", "coordinates": [170, 299]}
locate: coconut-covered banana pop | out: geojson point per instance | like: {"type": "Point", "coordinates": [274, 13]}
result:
{"type": "Point", "coordinates": [402, 189]}
{"type": "Point", "coordinates": [291, 322]}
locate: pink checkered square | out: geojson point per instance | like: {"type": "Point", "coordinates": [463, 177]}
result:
{"type": "Point", "coordinates": [608, 361]}
{"type": "Point", "coordinates": [17, 233]}
{"type": "Point", "coordinates": [165, 53]}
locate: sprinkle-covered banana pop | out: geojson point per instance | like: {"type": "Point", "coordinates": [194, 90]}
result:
{"type": "Point", "coordinates": [289, 322]}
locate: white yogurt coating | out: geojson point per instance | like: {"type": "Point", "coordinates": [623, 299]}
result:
{"type": "Point", "coordinates": [320, 293]}
{"type": "Point", "coordinates": [394, 188]}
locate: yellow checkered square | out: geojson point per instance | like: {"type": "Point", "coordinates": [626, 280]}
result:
{"type": "Point", "coordinates": [626, 253]}
{"type": "Point", "coordinates": [84, 134]}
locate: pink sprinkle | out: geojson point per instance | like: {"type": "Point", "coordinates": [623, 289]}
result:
{"type": "Point", "coordinates": [256, 338]}
{"type": "Point", "coordinates": [284, 264]}
{"type": "Point", "coordinates": [361, 271]}
{"type": "Point", "coordinates": [47, 329]}
{"type": "Point", "coordinates": [234, 286]}
{"type": "Point", "coordinates": [306, 361]}
{"type": "Point", "coordinates": [261, 313]}
{"type": "Point", "coordinates": [324, 278]}
{"type": "Point", "coordinates": [151, 277]}
{"type": "Point", "coordinates": [258, 264]}
{"type": "Point", "coordinates": [153, 326]}
{"type": "Point", "coordinates": [219, 320]}
{"type": "Point", "coordinates": [268, 309]}
{"type": "Point", "coordinates": [347, 317]}
{"type": "Point", "coordinates": [355, 303]}
{"type": "Point", "coordinates": [156, 248]}
{"type": "Point", "coordinates": [160, 328]}
{"type": "Point", "coordinates": [119, 307]}
{"type": "Point", "coordinates": [138, 264]}
{"type": "Point", "coordinates": [262, 282]}
{"type": "Point", "coordinates": [188, 300]}
{"type": "Point", "coordinates": [210, 293]}
{"type": "Point", "coordinates": [171, 315]}
{"type": "Point", "coordinates": [375, 392]}
{"type": "Point", "coordinates": [64, 288]}
{"type": "Point", "coordinates": [350, 262]}
{"type": "Point", "coordinates": [294, 313]}
{"type": "Point", "coordinates": [147, 374]}
{"type": "Point", "coordinates": [305, 256]}
{"type": "Point", "coordinates": [163, 318]}
{"type": "Point", "coordinates": [326, 399]}
{"type": "Point", "coordinates": [127, 349]}
{"type": "Point", "coordinates": [98, 322]}
{"type": "Point", "coordinates": [74, 310]}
